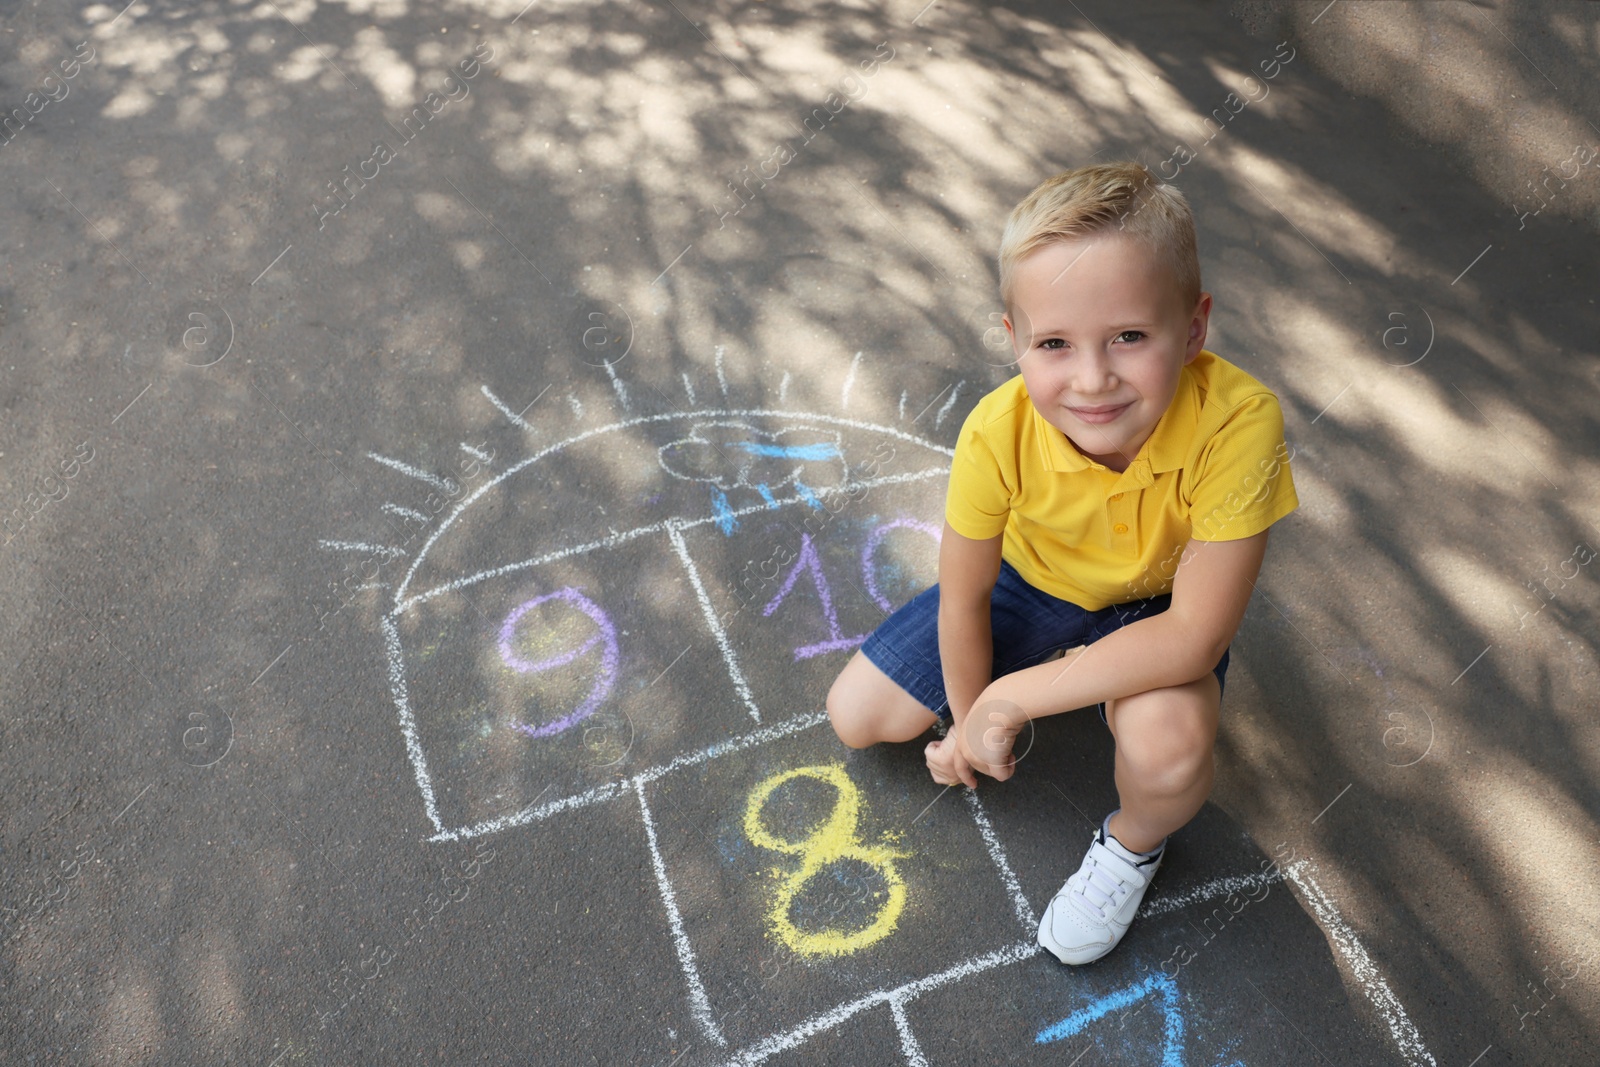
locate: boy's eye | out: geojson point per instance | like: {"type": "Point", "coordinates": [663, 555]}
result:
{"type": "Point", "coordinates": [1130, 336]}
{"type": "Point", "coordinates": [1052, 344]}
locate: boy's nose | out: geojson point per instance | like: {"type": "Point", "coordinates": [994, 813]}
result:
{"type": "Point", "coordinates": [1093, 376]}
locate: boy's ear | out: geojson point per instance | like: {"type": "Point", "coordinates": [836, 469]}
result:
{"type": "Point", "coordinates": [1198, 323]}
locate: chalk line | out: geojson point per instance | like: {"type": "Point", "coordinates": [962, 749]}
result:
{"type": "Point", "coordinates": [516, 420]}
{"type": "Point", "coordinates": [1217, 887]}
{"type": "Point", "coordinates": [412, 472]}
{"type": "Point", "coordinates": [386, 551]}
{"type": "Point", "coordinates": [828, 1020]}
{"type": "Point", "coordinates": [481, 457]}
{"type": "Point", "coordinates": [688, 389]}
{"type": "Point", "coordinates": [404, 513]}
{"type": "Point", "coordinates": [612, 790]}
{"type": "Point", "coordinates": [1019, 902]}
{"type": "Point", "coordinates": [904, 394]}
{"type": "Point", "coordinates": [699, 1006]}
{"type": "Point", "coordinates": [849, 381]}
{"type": "Point", "coordinates": [598, 795]}
{"type": "Point", "coordinates": [717, 632]}
{"type": "Point", "coordinates": [575, 404]}
{"type": "Point", "coordinates": [783, 388]}
{"type": "Point", "coordinates": [408, 724]}
{"type": "Point", "coordinates": [560, 446]}
{"type": "Point", "coordinates": [620, 387]}
{"type": "Point", "coordinates": [722, 379]}
{"type": "Point", "coordinates": [908, 1040]}
{"type": "Point", "coordinates": [938, 419]}
{"type": "Point", "coordinates": [1366, 972]}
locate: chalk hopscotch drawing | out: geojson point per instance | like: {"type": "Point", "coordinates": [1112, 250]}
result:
{"type": "Point", "coordinates": [730, 464]}
{"type": "Point", "coordinates": [835, 839]}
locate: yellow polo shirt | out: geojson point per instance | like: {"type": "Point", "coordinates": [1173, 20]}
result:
{"type": "Point", "coordinates": [1215, 468]}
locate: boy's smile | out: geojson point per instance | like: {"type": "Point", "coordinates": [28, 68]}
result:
{"type": "Point", "coordinates": [1101, 335]}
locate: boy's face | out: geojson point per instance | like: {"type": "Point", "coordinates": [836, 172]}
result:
{"type": "Point", "coordinates": [1101, 333]}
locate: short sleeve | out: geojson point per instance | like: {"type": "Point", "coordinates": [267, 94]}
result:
{"type": "Point", "coordinates": [1241, 483]}
{"type": "Point", "coordinates": [978, 502]}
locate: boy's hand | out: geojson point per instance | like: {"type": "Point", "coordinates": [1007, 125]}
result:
{"type": "Point", "coordinates": [947, 765]}
{"type": "Point", "coordinates": [987, 735]}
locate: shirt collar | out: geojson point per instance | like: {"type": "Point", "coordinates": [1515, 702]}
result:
{"type": "Point", "coordinates": [1165, 450]}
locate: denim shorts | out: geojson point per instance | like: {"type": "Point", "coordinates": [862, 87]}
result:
{"type": "Point", "coordinates": [1027, 626]}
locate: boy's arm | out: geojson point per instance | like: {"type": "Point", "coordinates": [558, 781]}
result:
{"type": "Point", "coordinates": [1210, 592]}
{"type": "Point", "coordinates": [967, 573]}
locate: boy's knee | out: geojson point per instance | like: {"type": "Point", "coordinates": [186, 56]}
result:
{"type": "Point", "coordinates": [1167, 745]}
{"type": "Point", "coordinates": [849, 718]}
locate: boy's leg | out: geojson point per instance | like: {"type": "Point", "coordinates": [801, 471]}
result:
{"type": "Point", "coordinates": [1164, 771]}
{"type": "Point", "coordinates": [866, 706]}
{"type": "Point", "coordinates": [1164, 765]}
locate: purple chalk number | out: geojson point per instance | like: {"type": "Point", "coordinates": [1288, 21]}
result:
{"type": "Point", "coordinates": [868, 571]}
{"type": "Point", "coordinates": [605, 636]}
{"type": "Point", "coordinates": [809, 562]}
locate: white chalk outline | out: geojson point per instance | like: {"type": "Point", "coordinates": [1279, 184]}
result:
{"type": "Point", "coordinates": [642, 420]}
{"type": "Point", "coordinates": [908, 1040]}
{"type": "Point", "coordinates": [611, 790]}
{"type": "Point", "coordinates": [404, 512]}
{"type": "Point", "coordinates": [718, 633]}
{"type": "Point", "coordinates": [386, 551]}
{"type": "Point", "coordinates": [1362, 968]}
{"type": "Point", "coordinates": [408, 723]}
{"type": "Point", "coordinates": [823, 1021]}
{"type": "Point", "coordinates": [1217, 887]}
{"type": "Point", "coordinates": [672, 527]}
{"type": "Point", "coordinates": [699, 1005]}
{"type": "Point", "coordinates": [516, 420]}
{"type": "Point", "coordinates": [991, 840]}
{"type": "Point", "coordinates": [412, 472]}
{"type": "Point", "coordinates": [623, 537]}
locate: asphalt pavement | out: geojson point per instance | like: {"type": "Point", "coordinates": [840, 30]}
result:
{"type": "Point", "coordinates": [450, 448]}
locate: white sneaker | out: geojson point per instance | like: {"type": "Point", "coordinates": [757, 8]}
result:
{"type": "Point", "coordinates": [1092, 911]}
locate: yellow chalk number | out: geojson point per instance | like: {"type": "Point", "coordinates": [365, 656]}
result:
{"type": "Point", "coordinates": [835, 839]}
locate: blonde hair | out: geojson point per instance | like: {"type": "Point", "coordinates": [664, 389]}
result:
{"type": "Point", "coordinates": [1105, 197]}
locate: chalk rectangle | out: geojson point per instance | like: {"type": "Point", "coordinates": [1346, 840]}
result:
{"type": "Point", "coordinates": [829, 891]}
{"type": "Point", "coordinates": [545, 684]}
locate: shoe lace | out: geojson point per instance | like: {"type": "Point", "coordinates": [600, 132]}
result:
{"type": "Point", "coordinates": [1100, 891]}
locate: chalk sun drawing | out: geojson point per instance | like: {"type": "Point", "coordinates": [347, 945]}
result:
{"type": "Point", "coordinates": [834, 840]}
{"type": "Point", "coordinates": [561, 636]}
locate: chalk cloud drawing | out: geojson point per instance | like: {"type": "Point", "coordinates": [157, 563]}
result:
{"type": "Point", "coordinates": [734, 455]}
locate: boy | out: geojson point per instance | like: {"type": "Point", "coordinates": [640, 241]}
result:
{"type": "Point", "coordinates": [1112, 501]}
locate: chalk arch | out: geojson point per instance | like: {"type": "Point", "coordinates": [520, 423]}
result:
{"type": "Point", "coordinates": [463, 551]}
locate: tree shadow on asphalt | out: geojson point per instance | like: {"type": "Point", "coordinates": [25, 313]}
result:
{"type": "Point", "coordinates": [1423, 625]}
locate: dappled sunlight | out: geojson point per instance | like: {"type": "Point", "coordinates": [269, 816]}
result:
{"type": "Point", "coordinates": [764, 224]}
{"type": "Point", "coordinates": [1326, 217]}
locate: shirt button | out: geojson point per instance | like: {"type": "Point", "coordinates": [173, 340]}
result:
{"type": "Point", "coordinates": [1116, 496]}
{"type": "Point", "coordinates": [1121, 527]}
